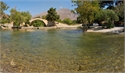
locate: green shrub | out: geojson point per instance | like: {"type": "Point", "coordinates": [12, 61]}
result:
{"type": "Point", "coordinates": [107, 15]}
{"type": "Point", "coordinates": [59, 20]}
{"type": "Point", "coordinates": [44, 17]}
{"type": "Point", "coordinates": [74, 22]}
{"type": "Point", "coordinates": [107, 25]}
{"type": "Point", "coordinates": [67, 21]}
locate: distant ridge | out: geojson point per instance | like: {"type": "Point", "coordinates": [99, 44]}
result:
{"type": "Point", "coordinates": [63, 12]}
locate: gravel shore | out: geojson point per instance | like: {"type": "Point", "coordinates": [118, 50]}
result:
{"type": "Point", "coordinates": [112, 30]}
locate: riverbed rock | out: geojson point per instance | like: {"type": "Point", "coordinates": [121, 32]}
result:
{"type": "Point", "coordinates": [12, 63]}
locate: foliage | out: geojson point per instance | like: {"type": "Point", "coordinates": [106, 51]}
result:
{"type": "Point", "coordinates": [19, 17]}
{"type": "Point", "coordinates": [109, 16]}
{"type": "Point", "coordinates": [5, 19]}
{"type": "Point", "coordinates": [44, 17]}
{"type": "Point", "coordinates": [52, 15]}
{"type": "Point", "coordinates": [37, 17]}
{"type": "Point", "coordinates": [104, 3]}
{"type": "Point", "coordinates": [119, 10]}
{"type": "Point", "coordinates": [109, 3]}
{"type": "Point", "coordinates": [86, 10]}
{"type": "Point", "coordinates": [67, 21]}
{"type": "Point", "coordinates": [38, 23]}
{"type": "Point", "coordinates": [80, 19]}
{"type": "Point", "coordinates": [3, 7]}
{"type": "Point", "coordinates": [26, 16]}
{"type": "Point", "coordinates": [59, 20]}
{"type": "Point", "coordinates": [73, 11]}
{"type": "Point", "coordinates": [106, 15]}
{"type": "Point", "coordinates": [74, 22]}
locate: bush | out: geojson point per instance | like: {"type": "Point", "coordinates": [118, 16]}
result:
{"type": "Point", "coordinates": [44, 17]}
{"type": "Point", "coordinates": [108, 16]}
{"type": "Point", "coordinates": [59, 20]}
{"type": "Point", "coordinates": [108, 25]}
{"type": "Point", "coordinates": [37, 17]}
{"type": "Point", "coordinates": [74, 22]}
{"type": "Point", "coordinates": [67, 21]}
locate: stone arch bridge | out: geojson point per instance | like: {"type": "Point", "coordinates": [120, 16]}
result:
{"type": "Point", "coordinates": [43, 20]}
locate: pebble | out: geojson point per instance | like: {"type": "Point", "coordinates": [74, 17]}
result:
{"type": "Point", "coordinates": [12, 63]}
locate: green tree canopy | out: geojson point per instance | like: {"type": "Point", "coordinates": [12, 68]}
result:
{"type": "Point", "coordinates": [119, 10]}
{"type": "Point", "coordinates": [52, 16]}
{"type": "Point", "coordinates": [86, 10]}
{"type": "Point", "coordinates": [4, 18]}
{"type": "Point", "coordinates": [109, 16]}
{"type": "Point", "coordinates": [19, 17]}
{"type": "Point", "coordinates": [26, 16]}
{"type": "Point", "coordinates": [3, 7]}
{"type": "Point", "coordinates": [106, 15]}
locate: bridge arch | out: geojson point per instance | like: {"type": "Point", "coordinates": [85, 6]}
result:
{"type": "Point", "coordinates": [43, 20]}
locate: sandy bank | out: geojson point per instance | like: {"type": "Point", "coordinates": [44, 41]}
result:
{"type": "Point", "coordinates": [112, 30]}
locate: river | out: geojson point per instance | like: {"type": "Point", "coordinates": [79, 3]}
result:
{"type": "Point", "coordinates": [57, 50]}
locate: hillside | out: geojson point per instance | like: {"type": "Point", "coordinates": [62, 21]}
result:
{"type": "Point", "coordinates": [64, 13]}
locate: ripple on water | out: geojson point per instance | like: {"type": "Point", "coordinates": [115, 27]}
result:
{"type": "Point", "coordinates": [61, 51]}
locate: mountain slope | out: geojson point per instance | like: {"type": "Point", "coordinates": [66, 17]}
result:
{"type": "Point", "coordinates": [63, 12]}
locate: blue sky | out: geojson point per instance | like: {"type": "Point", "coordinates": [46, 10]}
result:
{"type": "Point", "coordinates": [37, 6]}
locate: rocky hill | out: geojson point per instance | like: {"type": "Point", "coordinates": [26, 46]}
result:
{"type": "Point", "coordinates": [63, 12]}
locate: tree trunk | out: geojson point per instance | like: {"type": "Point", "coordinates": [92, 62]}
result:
{"type": "Point", "coordinates": [51, 23]}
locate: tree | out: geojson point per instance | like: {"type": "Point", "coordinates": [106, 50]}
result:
{"type": "Point", "coordinates": [109, 3]}
{"type": "Point", "coordinates": [4, 18]}
{"type": "Point", "coordinates": [26, 16]}
{"type": "Point", "coordinates": [3, 7]}
{"type": "Point", "coordinates": [15, 16]}
{"type": "Point", "coordinates": [52, 16]}
{"type": "Point", "coordinates": [86, 10]}
{"type": "Point", "coordinates": [73, 11]}
{"type": "Point", "coordinates": [19, 17]}
{"type": "Point", "coordinates": [109, 16]}
{"type": "Point", "coordinates": [119, 10]}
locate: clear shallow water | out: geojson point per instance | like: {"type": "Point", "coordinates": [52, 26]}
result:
{"type": "Point", "coordinates": [61, 51]}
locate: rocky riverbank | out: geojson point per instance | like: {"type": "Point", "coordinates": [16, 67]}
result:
{"type": "Point", "coordinates": [65, 26]}
{"type": "Point", "coordinates": [112, 30]}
